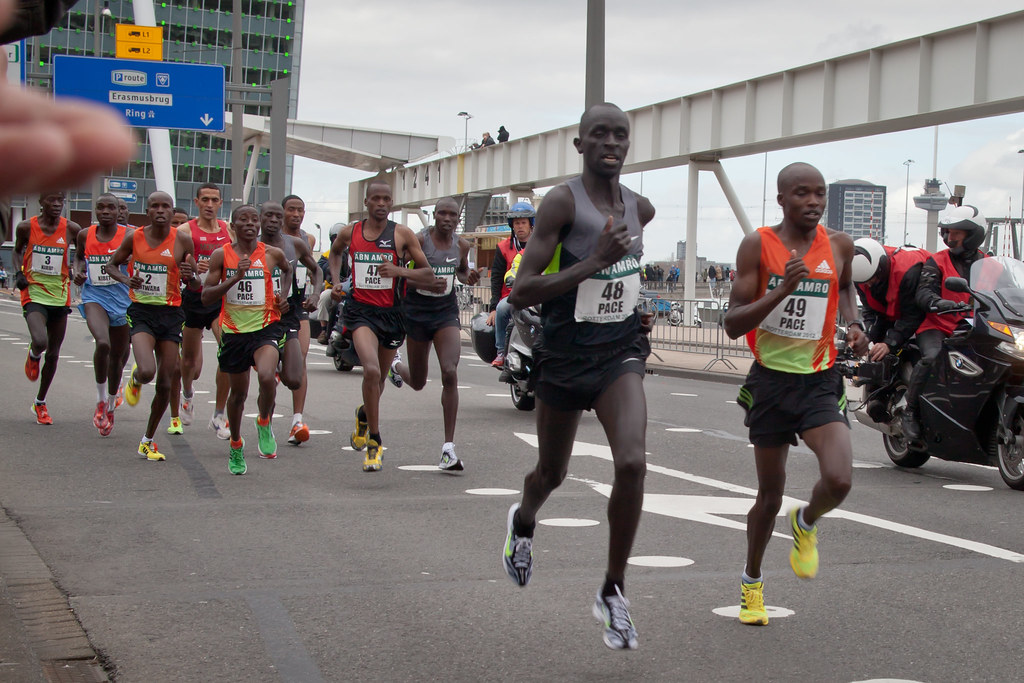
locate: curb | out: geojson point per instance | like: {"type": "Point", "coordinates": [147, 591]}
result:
{"type": "Point", "coordinates": [702, 375]}
{"type": "Point", "coordinates": [49, 626]}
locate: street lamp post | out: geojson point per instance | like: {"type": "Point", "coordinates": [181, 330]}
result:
{"type": "Point", "coordinates": [1021, 151]}
{"type": "Point", "coordinates": [467, 116]}
{"type": "Point", "coordinates": [906, 204]}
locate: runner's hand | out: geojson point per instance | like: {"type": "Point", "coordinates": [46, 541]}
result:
{"type": "Point", "coordinates": [135, 281]}
{"type": "Point", "coordinates": [647, 322]}
{"type": "Point", "coordinates": [389, 269]}
{"type": "Point", "coordinates": [612, 244]}
{"type": "Point", "coordinates": [311, 302]}
{"type": "Point", "coordinates": [243, 265]}
{"type": "Point", "coordinates": [473, 276]}
{"type": "Point", "coordinates": [282, 304]}
{"type": "Point", "coordinates": [80, 278]}
{"type": "Point", "coordinates": [203, 265]}
{"type": "Point", "coordinates": [796, 270]}
{"type": "Point", "coordinates": [187, 268]}
{"type": "Point", "coordinates": [20, 281]}
{"type": "Point", "coordinates": [337, 293]}
{"type": "Point", "coordinates": [857, 340]}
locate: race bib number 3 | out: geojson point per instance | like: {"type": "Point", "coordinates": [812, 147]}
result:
{"type": "Point", "coordinates": [367, 270]}
{"type": "Point", "coordinates": [47, 260]}
{"type": "Point", "coordinates": [154, 279]}
{"type": "Point", "coordinates": [801, 315]}
{"type": "Point", "coordinates": [97, 275]}
{"type": "Point", "coordinates": [448, 274]}
{"type": "Point", "coordinates": [610, 295]}
{"type": "Point", "coordinates": [249, 291]}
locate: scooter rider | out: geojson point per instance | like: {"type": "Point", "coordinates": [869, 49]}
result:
{"type": "Point", "coordinates": [963, 230]}
{"type": "Point", "coordinates": [886, 279]}
{"type": "Point", "coordinates": [520, 219]}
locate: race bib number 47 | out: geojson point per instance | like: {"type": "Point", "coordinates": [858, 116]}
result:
{"type": "Point", "coordinates": [801, 315]}
{"type": "Point", "coordinates": [367, 270]}
{"type": "Point", "coordinates": [610, 295]}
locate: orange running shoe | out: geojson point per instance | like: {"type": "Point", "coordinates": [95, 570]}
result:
{"type": "Point", "coordinates": [298, 434]}
{"type": "Point", "coordinates": [32, 368]}
{"type": "Point", "coordinates": [42, 415]}
{"type": "Point", "coordinates": [109, 426]}
{"type": "Point", "coordinates": [99, 418]}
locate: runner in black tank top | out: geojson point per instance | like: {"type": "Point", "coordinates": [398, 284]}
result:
{"type": "Point", "coordinates": [293, 357]}
{"type": "Point", "coordinates": [432, 318]}
{"type": "Point", "coordinates": [371, 316]}
{"type": "Point", "coordinates": [582, 264]}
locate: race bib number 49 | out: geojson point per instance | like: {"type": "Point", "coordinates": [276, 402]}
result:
{"type": "Point", "coordinates": [801, 315]}
{"type": "Point", "coordinates": [367, 270]}
{"type": "Point", "coordinates": [609, 296]}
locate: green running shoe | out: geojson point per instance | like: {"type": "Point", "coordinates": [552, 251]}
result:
{"type": "Point", "coordinates": [236, 461]}
{"type": "Point", "coordinates": [267, 443]}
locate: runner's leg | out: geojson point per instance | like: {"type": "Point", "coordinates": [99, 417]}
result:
{"type": "Point", "coordinates": [556, 431]}
{"type": "Point", "coordinates": [771, 482]}
{"type": "Point", "coordinates": [831, 445]}
{"type": "Point", "coordinates": [166, 360]}
{"type": "Point", "coordinates": [448, 347]}
{"type": "Point", "coordinates": [55, 330]}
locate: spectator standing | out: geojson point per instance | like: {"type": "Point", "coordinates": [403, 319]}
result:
{"type": "Point", "coordinates": [502, 134]}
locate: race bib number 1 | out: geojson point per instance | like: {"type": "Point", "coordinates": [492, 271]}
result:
{"type": "Point", "coordinates": [610, 295]}
{"type": "Point", "coordinates": [801, 315]}
{"type": "Point", "coordinates": [367, 273]}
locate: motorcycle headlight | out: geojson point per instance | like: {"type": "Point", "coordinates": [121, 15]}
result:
{"type": "Point", "coordinates": [1016, 347]}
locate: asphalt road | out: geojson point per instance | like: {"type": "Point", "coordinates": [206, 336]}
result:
{"type": "Point", "coordinates": [309, 569]}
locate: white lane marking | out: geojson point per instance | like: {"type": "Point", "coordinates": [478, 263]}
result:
{"type": "Point", "coordinates": [419, 468]}
{"type": "Point", "coordinates": [684, 430]}
{"type": "Point", "coordinates": [859, 465]}
{"type": "Point", "coordinates": [966, 487]}
{"type": "Point", "coordinates": [461, 386]}
{"type": "Point", "coordinates": [317, 363]}
{"type": "Point", "coordinates": [568, 522]}
{"type": "Point", "coordinates": [492, 492]}
{"type": "Point", "coordinates": [497, 395]}
{"type": "Point", "coordinates": [733, 612]}
{"type": "Point", "coordinates": [255, 415]}
{"type": "Point", "coordinates": [199, 391]}
{"type": "Point", "coordinates": [706, 510]}
{"type": "Point", "coordinates": [478, 365]}
{"type": "Point", "coordinates": [732, 402]}
{"type": "Point", "coordinates": [20, 343]}
{"type": "Point", "coordinates": [319, 432]}
{"type": "Point", "coordinates": [209, 341]}
{"type": "Point", "coordinates": [659, 561]}
{"type": "Point", "coordinates": [676, 394]}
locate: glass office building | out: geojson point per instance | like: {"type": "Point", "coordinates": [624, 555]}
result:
{"type": "Point", "coordinates": [195, 32]}
{"type": "Point", "coordinates": [856, 207]}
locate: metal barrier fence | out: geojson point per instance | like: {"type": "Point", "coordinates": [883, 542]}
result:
{"type": "Point", "coordinates": [688, 325]}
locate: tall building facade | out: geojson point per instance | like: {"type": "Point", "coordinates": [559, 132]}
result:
{"type": "Point", "coordinates": [195, 32]}
{"type": "Point", "coordinates": [856, 207]}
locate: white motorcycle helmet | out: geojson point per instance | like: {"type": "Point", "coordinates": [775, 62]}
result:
{"type": "Point", "coordinates": [967, 218]}
{"type": "Point", "coordinates": [869, 258]}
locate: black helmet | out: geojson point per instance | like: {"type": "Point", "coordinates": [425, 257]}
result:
{"type": "Point", "coordinates": [968, 219]}
{"type": "Point", "coordinates": [482, 336]}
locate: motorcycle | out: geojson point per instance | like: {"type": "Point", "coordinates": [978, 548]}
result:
{"type": "Point", "coordinates": [972, 403]}
{"type": "Point", "coordinates": [518, 359]}
{"type": "Point", "coordinates": [339, 345]}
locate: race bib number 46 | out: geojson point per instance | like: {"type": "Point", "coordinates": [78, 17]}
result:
{"type": "Point", "coordinates": [609, 296]}
{"type": "Point", "coordinates": [249, 291]}
{"type": "Point", "coordinates": [801, 315]}
{"type": "Point", "coordinates": [367, 270]}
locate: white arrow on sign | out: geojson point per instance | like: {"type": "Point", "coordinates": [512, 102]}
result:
{"type": "Point", "coordinates": [707, 509]}
{"type": "Point", "coordinates": [206, 119]}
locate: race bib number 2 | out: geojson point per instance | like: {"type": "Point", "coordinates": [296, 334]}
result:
{"type": "Point", "coordinates": [610, 295]}
{"type": "Point", "coordinates": [367, 270]}
{"type": "Point", "coordinates": [801, 315]}
{"type": "Point", "coordinates": [154, 279]}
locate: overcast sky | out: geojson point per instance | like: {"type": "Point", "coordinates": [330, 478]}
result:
{"type": "Point", "coordinates": [409, 65]}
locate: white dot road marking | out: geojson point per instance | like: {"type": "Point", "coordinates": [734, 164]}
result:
{"type": "Point", "coordinates": [732, 402]}
{"type": "Point", "coordinates": [492, 492]}
{"type": "Point", "coordinates": [659, 561]}
{"type": "Point", "coordinates": [966, 487]}
{"type": "Point", "coordinates": [684, 430]}
{"type": "Point", "coordinates": [568, 522]}
{"type": "Point", "coordinates": [319, 432]}
{"type": "Point", "coordinates": [733, 612]}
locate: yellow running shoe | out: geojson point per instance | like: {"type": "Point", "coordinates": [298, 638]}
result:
{"type": "Point", "coordinates": [752, 604]}
{"type": "Point", "coordinates": [358, 438]}
{"type": "Point", "coordinates": [175, 427]}
{"type": "Point", "coordinates": [803, 558]}
{"type": "Point", "coordinates": [132, 389]}
{"type": "Point", "coordinates": [148, 450]}
{"type": "Point", "coordinates": [373, 461]}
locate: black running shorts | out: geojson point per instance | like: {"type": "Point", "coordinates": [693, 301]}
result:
{"type": "Point", "coordinates": [574, 381]}
{"type": "Point", "coordinates": [237, 351]}
{"type": "Point", "coordinates": [386, 323]}
{"type": "Point", "coordinates": [780, 406]}
{"type": "Point", "coordinates": [197, 315]}
{"type": "Point", "coordinates": [51, 312]}
{"type": "Point", "coordinates": [421, 324]}
{"type": "Point", "coordinates": [163, 323]}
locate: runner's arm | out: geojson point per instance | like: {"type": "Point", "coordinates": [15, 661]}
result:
{"type": "Point", "coordinates": [557, 212]}
{"type": "Point", "coordinates": [121, 255]}
{"type": "Point", "coordinates": [422, 275]}
{"type": "Point", "coordinates": [744, 312]}
{"type": "Point", "coordinates": [214, 290]}
{"type": "Point", "coordinates": [305, 257]}
{"type": "Point", "coordinates": [81, 266]}
{"type": "Point", "coordinates": [277, 255]}
{"type": "Point", "coordinates": [21, 235]}
{"type": "Point", "coordinates": [341, 241]}
{"type": "Point", "coordinates": [463, 273]}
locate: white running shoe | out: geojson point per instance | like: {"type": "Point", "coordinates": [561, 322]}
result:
{"type": "Point", "coordinates": [219, 424]}
{"type": "Point", "coordinates": [449, 461]}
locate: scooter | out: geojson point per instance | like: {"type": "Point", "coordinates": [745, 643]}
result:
{"type": "Point", "coordinates": [518, 359]}
{"type": "Point", "coordinates": [972, 404]}
{"type": "Point", "coordinates": [339, 346]}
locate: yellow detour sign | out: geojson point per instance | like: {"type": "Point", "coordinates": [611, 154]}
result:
{"type": "Point", "coordinates": [139, 42]}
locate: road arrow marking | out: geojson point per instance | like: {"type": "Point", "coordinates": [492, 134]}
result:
{"type": "Point", "coordinates": [206, 119]}
{"type": "Point", "coordinates": [706, 508]}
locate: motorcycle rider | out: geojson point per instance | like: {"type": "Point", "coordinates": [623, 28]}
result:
{"type": "Point", "coordinates": [520, 219]}
{"type": "Point", "coordinates": [886, 280]}
{"type": "Point", "coordinates": [963, 230]}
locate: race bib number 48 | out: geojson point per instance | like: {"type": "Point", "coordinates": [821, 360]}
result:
{"type": "Point", "coordinates": [367, 273]}
{"type": "Point", "coordinates": [801, 315]}
{"type": "Point", "coordinates": [609, 296]}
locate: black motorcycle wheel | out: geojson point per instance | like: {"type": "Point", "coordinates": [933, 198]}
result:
{"type": "Point", "coordinates": [1011, 458]}
{"type": "Point", "coordinates": [896, 446]}
{"type": "Point", "coordinates": [520, 399]}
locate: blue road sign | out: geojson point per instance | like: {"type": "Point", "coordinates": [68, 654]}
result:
{"type": "Point", "coordinates": [148, 94]}
{"type": "Point", "coordinates": [129, 197]}
{"type": "Point", "coordinates": [121, 185]}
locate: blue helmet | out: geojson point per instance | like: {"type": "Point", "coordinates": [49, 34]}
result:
{"type": "Point", "coordinates": [521, 210]}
